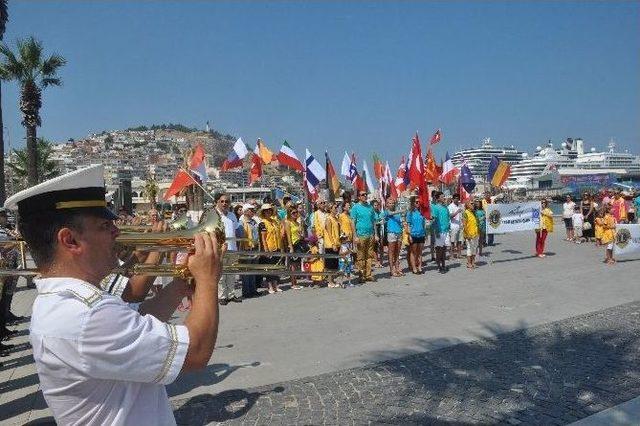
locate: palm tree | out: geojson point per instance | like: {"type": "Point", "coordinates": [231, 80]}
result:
{"type": "Point", "coordinates": [19, 165]}
{"type": "Point", "coordinates": [4, 17]}
{"type": "Point", "coordinates": [33, 73]}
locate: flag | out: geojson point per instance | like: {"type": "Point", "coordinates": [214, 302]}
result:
{"type": "Point", "coordinates": [263, 152]}
{"type": "Point", "coordinates": [314, 172]}
{"type": "Point", "coordinates": [416, 165]}
{"type": "Point", "coordinates": [388, 181]}
{"type": "Point", "coordinates": [416, 177]}
{"type": "Point", "coordinates": [288, 158]}
{"type": "Point", "coordinates": [400, 183]}
{"type": "Point", "coordinates": [255, 173]}
{"type": "Point", "coordinates": [353, 171]}
{"type": "Point", "coordinates": [378, 167]}
{"type": "Point", "coordinates": [499, 171]}
{"type": "Point", "coordinates": [462, 192]}
{"type": "Point", "coordinates": [367, 176]}
{"type": "Point", "coordinates": [197, 164]}
{"type": "Point", "coordinates": [431, 169]}
{"type": "Point", "coordinates": [466, 178]}
{"type": "Point", "coordinates": [236, 156]}
{"type": "Point", "coordinates": [333, 184]}
{"type": "Point", "coordinates": [436, 137]}
{"type": "Point", "coordinates": [345, 167]}
{"type": "Point", "coordinates": [181, 181]}
{"type": "Point", "coordinates": [449, 171]}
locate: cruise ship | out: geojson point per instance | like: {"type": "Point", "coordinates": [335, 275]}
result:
{"type": "Point", "coordinates": [545, 159]}
{"type": "Point", "coordinates": [478, 158]}
{"type": "Point", "coordinates": [610, 159]}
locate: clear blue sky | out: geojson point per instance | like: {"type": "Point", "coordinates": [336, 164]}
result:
{"type": "Point", "coordinates": [356, 76]}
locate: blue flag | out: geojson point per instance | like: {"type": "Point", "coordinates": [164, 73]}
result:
{"type": "Point", "coordinates": [466, 179]}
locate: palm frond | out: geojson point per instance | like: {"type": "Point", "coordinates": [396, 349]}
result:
{"type": "Point", "coordinates": [30, 51]}
{"type": "Point", "coordinates": [12, 68]}
{"type": "Point", "coordinates": [46, 82]}
{"type": "Point", "coordinates": [50, 66]}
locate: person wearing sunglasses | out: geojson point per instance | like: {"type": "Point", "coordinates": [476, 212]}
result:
{"type": "Point", "coordinates": [363, 217]}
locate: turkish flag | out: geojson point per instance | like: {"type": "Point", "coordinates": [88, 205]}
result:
{"type": "Point", "coordinates": [256, 168]}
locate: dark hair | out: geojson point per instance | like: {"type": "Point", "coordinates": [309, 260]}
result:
{"type": "Point", "coordinates": [285, 199]}
{"type": "Point", "coordinates": [40, 231]}
{"type": "Point", "coordinates": [217, 196]}
{"type": "Point", "coordinates": [456, 196]}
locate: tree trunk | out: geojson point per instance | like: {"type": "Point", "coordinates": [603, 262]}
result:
{"type": "Point", "coordinates": [32, 152]}
{"type": "Point", "coordinates": [3, 193]}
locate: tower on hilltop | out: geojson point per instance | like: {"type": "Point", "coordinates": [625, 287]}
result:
{"type": "Point", "coordinates": [207, 128]}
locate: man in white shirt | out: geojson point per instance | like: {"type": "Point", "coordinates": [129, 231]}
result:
{"type": "Point", "coordinates": [567, 212]}
{"type": "Point", "coordinates": [455, 213]}
{"type": "Point", "coordinates": [226, 286]}
{"type": "Point", "coordinates": [99, 361]}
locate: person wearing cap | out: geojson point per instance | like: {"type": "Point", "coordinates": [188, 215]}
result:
{"type": "Point", "coordinates": [226, 286]}
{"type": "Point", "coordinates": [363, 218]}
{"type": "Point", "coordinates": [99, 361]}
{"type": "Point", "coordinates": [249, 226]}
{"type": "Point", "coordinates": [270, 231]}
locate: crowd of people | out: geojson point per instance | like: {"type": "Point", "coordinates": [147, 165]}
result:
{"type": "Point", "coordinates": [595, 217]}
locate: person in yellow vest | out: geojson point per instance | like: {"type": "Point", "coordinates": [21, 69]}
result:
{"type": "Point", "coordinates": [316, 264]}
{"type": "Point", "coordinates": [319, 219]}
{"type": "Point", "coordinates": [608, 234]}
{"type": "Point", "coordinates": [332, 242]}
{"type": "Point", "coordinates": [599, 221]}
{"type": "Point", "coordinates": [546, 227]}
{"type": "Point", "coordinates": [270, 231]}
{"type": "Point", "coordinates": [294, 239]}
{"type": "Point", "coordinates": [471, 233]}
{"type": "Point", "coordinates": [344, 219]}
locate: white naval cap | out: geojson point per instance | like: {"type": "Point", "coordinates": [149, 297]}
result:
{"type": "Point", "coordinates": [79, 190]}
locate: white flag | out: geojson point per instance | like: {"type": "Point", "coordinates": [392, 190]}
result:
{"type": "Point", "coordinates": [345, 167]}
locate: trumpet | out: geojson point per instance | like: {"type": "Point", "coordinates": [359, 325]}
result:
{"type": "Point", "coordinates": [233, 262]}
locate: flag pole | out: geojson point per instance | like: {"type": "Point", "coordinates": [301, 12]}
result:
{"type": "Point", "coordinates": [198, 184]}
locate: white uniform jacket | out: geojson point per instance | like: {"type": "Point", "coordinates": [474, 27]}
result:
{"type": "Point", "coordinates": [99, 361]}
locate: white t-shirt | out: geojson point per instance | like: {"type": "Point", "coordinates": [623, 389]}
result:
{"type": "Point", "coordinates": [577, 219]}
{"type": "Point", "coordinates": [99, 361]}
{"type": "Point", "coordinates": [230, 223]}
{"type": "Point", "coordinates": [567, 209]}
{"type": "Point", "coordinates": [455, 219]}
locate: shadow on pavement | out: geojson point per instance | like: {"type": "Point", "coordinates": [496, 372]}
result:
{"type": "Point", "coordinates": [549, 374]}
{"type": "Point", "coordinates": [227, 405]}
{"type": "Point", "coordinates": [211, 375]}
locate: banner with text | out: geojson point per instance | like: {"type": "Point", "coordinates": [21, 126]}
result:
{"type": "Point", "coordinates": [627, 240]}
{"type": "Point", "coordinates": [512, 217]}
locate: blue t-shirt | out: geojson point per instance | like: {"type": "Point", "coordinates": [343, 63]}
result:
{"type": "Point", "coordinates": [480, 216]}
{"type": "Point", "coordinates": [440, 215]}
{"type": "Point", "coordinates": [636, 202]}
{"type": "Point", "coordinates": [394, 223]}
{"type": "Point", "coordinates": [416, 223]}
{"type": "Point", "coordinates": [363, 217]}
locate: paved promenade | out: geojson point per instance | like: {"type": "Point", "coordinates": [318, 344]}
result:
{"type": "Point", "coordinates": [519, 340]}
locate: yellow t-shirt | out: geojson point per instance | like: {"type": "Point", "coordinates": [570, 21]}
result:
{"type": "Point", "coordinates": [546, 221]}
{"type": "Point", "coordinates": [598, 231]}
{"type": "Point", "coordinates": [608, 229]}
{"type": "Point", "coordinates": [294, 226]}
{"type": "Point", "coordinates": [319, 219]}
{"type": "Point", "coordinates": [470, 225]}
{"type": "Point", "coordinates": [331, 233]}
{"type": "Point", "coordinates": [345, 225]}
{"type": "Point", "coordinates": [273, 237]}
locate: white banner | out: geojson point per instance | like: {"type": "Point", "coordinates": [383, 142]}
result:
{"type": "Point", "coordinates": [627, 239]}
{"type": "Point", "coordinates": [512, 217]}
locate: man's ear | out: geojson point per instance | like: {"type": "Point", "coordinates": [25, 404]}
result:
{"type": "Point", "coordinates": [67, 240]}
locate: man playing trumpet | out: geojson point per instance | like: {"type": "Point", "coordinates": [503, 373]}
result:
{"type": "Point", "coordinates": [99, 361]}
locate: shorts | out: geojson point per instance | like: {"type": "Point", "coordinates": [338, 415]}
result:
{"type": "Point", "coordinates": [417, 240]}
{"type": "Point", "coordinates": [568, 223]}
{"type": "Point", "coordinates": [577, 231]}
{"type": "Point", "coordinates": [443, 240]}
{"type": "Point", "coordinates": [472, 246]}
{"type": "Point", "coordinates": [392, 237]}
{"type": "Point", "coordinates": [454, 233]}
